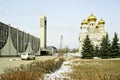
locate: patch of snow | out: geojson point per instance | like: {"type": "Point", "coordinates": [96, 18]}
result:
{"type": "Point", "coordinates": [61, 73]}
{"type": "Point", "coordinates": [96, 58]}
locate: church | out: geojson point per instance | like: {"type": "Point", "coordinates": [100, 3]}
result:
{"type": "Point", "coordinates": [94, 29]}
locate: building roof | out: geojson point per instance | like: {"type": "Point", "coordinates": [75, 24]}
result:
{"type": "Point", "coordinates": [101, 21]}
{"type": "Point", "coordinates": [84, 22]}
{"type": "Point", "coordinates": [92, 18]}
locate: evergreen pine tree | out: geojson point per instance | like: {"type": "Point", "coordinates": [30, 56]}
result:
{"type": "Point", "coordinates": [96, 51]}
{"type": "Point", "coordinates": [105, 47]}
{"type": "Point", "coordinates": [87, 49]}
{"type": "Point", "coordinates": [115, 46]}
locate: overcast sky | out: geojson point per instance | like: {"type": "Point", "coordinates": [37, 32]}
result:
{"type": "Point", "coordinates": [63, 17]}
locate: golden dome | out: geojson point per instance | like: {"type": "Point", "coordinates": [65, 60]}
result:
{"type": "Point", "coordinates": [92, 18]}
{"type": "Point", "coordinates": [84, 22]}
{"type": "Point", "coordinates": [101, 21]}
{"type": "Point", "coordinates": [97, 26]}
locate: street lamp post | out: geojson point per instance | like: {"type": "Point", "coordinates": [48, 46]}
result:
{"type": "Point", "coordinates": [61, 45]}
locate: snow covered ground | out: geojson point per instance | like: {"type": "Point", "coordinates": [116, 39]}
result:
{"type": "Point", "coordinates": [65, 68]}
{"type": "Point", "coordinates": [61, 73]}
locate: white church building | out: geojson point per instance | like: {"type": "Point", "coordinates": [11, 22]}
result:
{"type": "Point", "coordinates": [93, 28]}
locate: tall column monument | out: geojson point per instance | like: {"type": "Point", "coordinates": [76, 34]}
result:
{"type": "Point", "coordinates": [43, 32]}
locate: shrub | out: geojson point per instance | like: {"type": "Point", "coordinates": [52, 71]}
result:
{"type": "Point", "coordinates": [33, 71]}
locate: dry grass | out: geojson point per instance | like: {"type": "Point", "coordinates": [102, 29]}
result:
{"type": "Point", "coordinates": [33, 71]}
{"type": "Point", "coordinates": [96, 70]}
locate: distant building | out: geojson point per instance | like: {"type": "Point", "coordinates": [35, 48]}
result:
{"type": "Point", "coordinates": [94, 30]}
{"type": "Point", "coordinates": [52, 50]}
{"type": "Point", "coordinates": [13, 41]}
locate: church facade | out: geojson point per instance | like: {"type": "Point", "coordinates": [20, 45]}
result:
{"type": "Point", "coordinates": [94, 29]}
